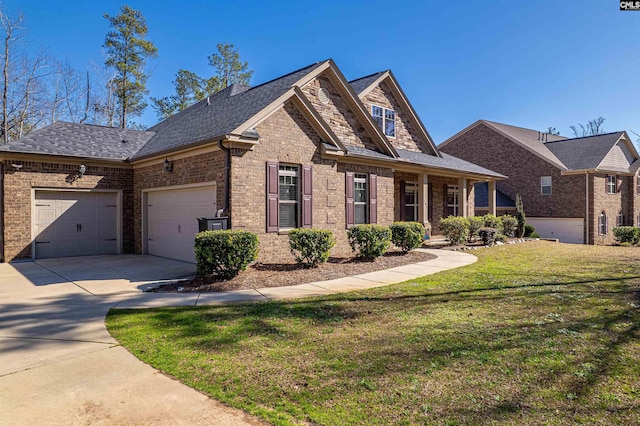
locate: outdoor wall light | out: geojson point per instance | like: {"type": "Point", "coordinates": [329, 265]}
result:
{"type": "Point", "coordinates": [81, 170]}
{"type": "Point", "coordinates": [16, 167]}
{"type": "Point", "coordinates": [168, 165]}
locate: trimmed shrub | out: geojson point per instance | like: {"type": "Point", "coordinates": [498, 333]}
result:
{"type": "Point", "coordinates": [475, 223]}
{"type": "Point", "coordinates": [627, 234]}
{"type": "Point", "coordinates": [369, 241]}
{"type": "Point", "coordinates": [407, 235]}
{"type": "Point", "coordinates": [528, 230]}
{"type": "Point", "coordinates": [225, 253]}
{"type": "Point", "coordinates": [455, 229]}
{"type": "Point", "coordinates": [491, 221]}
{"type": "Point", "coordinates": [488, 235]}
{"type": "Point", "coordinates": [501, 238]}
{"type": "Point", "coordinates": [534, 235]}
{"type": "Point", "coordinates": [509, 225]}
{"type": "Point", "coordinates": [310, 247]}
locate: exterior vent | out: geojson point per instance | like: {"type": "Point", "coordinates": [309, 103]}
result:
{"type": "Point", "coordinates": [323, 95]}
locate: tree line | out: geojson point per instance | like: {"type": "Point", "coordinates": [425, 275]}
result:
{"type": "Point", "coordinates": [39, 89]}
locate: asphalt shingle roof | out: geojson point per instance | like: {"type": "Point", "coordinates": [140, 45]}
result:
{"type": "Point", "coordinates": [81, 140]}
{"type": "Point", "coordinates": [481, 194]}
{"type": "Point", "coordinates": [447, 162]}
{"type": "Point", "coordinates": [362, 83]}
{"type": "Point", "coordinates": [218, 115]}
{"type": "Point", "coordinates": [530, 139]}
{"type": "Point", "coordinates": [584, 153]}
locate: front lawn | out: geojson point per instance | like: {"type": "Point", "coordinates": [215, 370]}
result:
{"type": "Point", "coordinates": [535, 333]}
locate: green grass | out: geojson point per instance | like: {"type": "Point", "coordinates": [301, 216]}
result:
{"type": "Point", "coordinates": [535, 333]}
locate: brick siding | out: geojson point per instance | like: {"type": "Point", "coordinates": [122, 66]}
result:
{"type": "Point", "coordinates": [17, 198]}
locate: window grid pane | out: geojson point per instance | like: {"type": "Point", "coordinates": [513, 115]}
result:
{"type": "Point", "coordinates": [289, 189]}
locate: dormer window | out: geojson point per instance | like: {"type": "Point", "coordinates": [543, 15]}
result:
{"type": "Point", "coordinates": [386, 119]}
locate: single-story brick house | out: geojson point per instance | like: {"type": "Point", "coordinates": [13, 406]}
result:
{"type": "Point", "coordinates": [573, 189]}
{"type": "Point", "coordinates": [308, 149]}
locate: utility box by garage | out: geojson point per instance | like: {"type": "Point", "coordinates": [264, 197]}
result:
{"type": "Point", "coordinates": [213, 224]}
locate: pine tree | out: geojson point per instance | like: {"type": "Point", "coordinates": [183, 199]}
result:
{"type": "Point", "coordinates": [127, 53]}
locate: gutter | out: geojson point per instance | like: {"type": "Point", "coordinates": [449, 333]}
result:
{"type": "Point", "coordinates": [227, 179]}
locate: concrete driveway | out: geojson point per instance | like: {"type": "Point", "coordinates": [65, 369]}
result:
{"type": "Point", "coordinates": [58, 363]}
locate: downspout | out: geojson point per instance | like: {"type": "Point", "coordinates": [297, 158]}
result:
{"type": "Point", "coordinates": [227, 179]}
{"type": "Point", "coordinates": [586, 214]}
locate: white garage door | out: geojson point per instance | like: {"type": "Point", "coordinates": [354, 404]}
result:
{"type": "Point", "coordinates": [172, 220]}
{"type": "Point", "coordinates": [75, 223]}
{"type": "Point", "coordinates": [566, 230]}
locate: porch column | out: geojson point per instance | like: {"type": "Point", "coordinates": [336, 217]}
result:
{"type": "Point", "coordinates": [462, 193]}
{"type": "Point", "coordinates": [423, 198]}
{"type": "Point", "coordinates": [492, 197]}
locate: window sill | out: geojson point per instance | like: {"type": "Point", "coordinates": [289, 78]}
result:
{"type": "Point", "coordinates": [285, 231]}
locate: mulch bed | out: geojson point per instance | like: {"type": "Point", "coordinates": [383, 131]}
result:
{"type": "Point", "coordinates": [260, 275]}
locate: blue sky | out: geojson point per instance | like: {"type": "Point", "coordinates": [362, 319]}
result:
{"type": "Point", "coordinates": [528, 63]}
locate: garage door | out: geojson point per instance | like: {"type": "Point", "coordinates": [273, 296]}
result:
{"type": "Point", "coordinates": [172, 220]}
{"type": "Point", "coordinates": [74, 223]}
{"type": "Point", "coordinates": [566, 230]}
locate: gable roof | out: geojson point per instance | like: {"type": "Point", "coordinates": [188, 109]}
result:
{"type": "Point", "coordinates": [365, 84]}
{"type": "Point", "coordinates": [81, 140]}
{"type": "Point", "coordinates": [585, 153]}
{"type": "Point", "coordinates": [217, 115]}
{"type": "Point", "coordinates": [360, 84]}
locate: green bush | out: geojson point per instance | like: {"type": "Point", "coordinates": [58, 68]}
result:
{"type": "Point", "coordinates": [501, 237]}
{"type": "Point", "coordinates": [225, 253]}
{"type": "Point", "coordinates": [520, 217]}
{"type": "Point", "coordinates": [369, 241]}
{"type": "Point", "coordinates": [310, 247]}
{"type": "Point", "coordinates": [534, 235]}
{"type": "Point", "coordinates": [455, 229]}
{"type": "Point", "coordinates": [491, 221]}
{"type": "Point", "coordinates": [509, 225]}
{"type": "Point", "coordinates": [488, 235]}
{"type": "Point", "coordinates": [528, 230]}
{"type": "Point", "coordinates": [407, 235]}
{"type": "Point", "coordinates": [627, 234]}
{"type": "Point", "coordinates": [475, 223]}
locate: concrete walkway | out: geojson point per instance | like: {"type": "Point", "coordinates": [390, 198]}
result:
{"type": "Point", "coordinates": [60, 366]}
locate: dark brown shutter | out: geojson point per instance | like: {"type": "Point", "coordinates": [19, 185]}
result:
{"type": "Point", "coordinates": [307, 199]}
{"type": "Point", "coordinates": [403, 202]}
{"type": "Point", "coordinates": [273, 196]}
{"type": "Point", "coordinates": [349, 195]}
{"type": "Point", "coordinates": [430, 202]}
{"type": "Point", "coordinates": [373, 199]}
{"type": "Point", "coordinates": [618, 184]}
{"type": "Point", "coordinates": [445, 198]}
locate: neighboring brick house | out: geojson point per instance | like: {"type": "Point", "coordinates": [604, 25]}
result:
{"type": "Point", "coordinates": [308, 149]}
{"type": "Point", "coordinates": [565, 183]}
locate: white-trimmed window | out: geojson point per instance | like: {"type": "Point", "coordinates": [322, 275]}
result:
{"type": "Point", "coordinates": [386, 119]}
{"type": "Point", "coordinates": [638, 220]}
{"type": "Point", "coordinates": [602, 223]}
{"type": "Point", "coordinates": [620, 219]}
{"type": "Point", "coordinates": [612, 184]}
{"type": "Point", "coordinates": [453, 193]}
{"type": "Point", "coordinates": [411, 202]}
{"type": "Point", "coordinates": [545, 185]}
{"type": "Point", "coordinates": [638, 184]}
{"type": "Point", "coordinates": [289, 201]}
{"type": "Point", "coordinates": [360, 199]}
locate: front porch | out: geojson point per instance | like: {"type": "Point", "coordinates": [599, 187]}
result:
{"type": "Point", "coordinates": [428, 197]}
